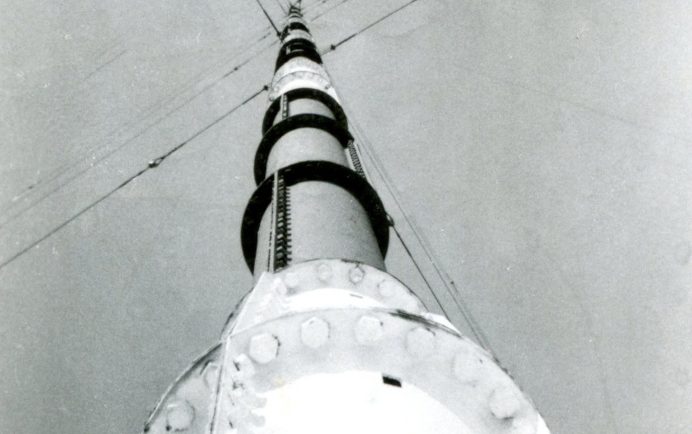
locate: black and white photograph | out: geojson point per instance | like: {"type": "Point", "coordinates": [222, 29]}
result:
{"type": "Point", "coordinates": [345, 216]}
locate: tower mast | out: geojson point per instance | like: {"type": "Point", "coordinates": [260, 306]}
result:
{"type": "Point", "coordinates": [327, 341]}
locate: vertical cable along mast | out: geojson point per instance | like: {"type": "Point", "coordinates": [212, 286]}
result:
{"type": "Point", "coordinates": [327, 340]}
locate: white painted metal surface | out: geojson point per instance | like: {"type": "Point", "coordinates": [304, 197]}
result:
{"type": "Point", "coordinates": [325, 329]}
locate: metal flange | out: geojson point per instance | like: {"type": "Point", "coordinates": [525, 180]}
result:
{"type": "Point", "coordinates": [259, 363]}
{"type": "Point", "coordinates": [351, 276]}
{"type": "Point", "coordinates": [300, 72]}
{"type": "Point", "coordinates": [332, 317]}
{"type": "Point", "coordinates": [186, 405]}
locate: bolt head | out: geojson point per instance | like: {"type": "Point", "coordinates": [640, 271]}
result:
{"type": "Point", "coordinates": [420, 342]}
{"type": "Point", "coordinates": [211, 375]}
{"type": "Point", "coordinates": [369, 329]}
{"type": "Point", "coordinates": [179, 415]}
{"type": "Point", "coordinates": [263, 348]}
{"type": "Point", "coordinates": [292, 280]}
{"type": "Point", "coordinates": [356, 274]}
{"type": "Point", "coordinates": [504, 402]}
{"type": "Point", "coordinates": [314, 332]}
{"type": "Point", "coordinates": [324, 272]}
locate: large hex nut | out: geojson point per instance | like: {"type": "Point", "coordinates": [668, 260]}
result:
{"type": "Point", "coordinates": [179, 416]}
{"type": "Point", "coordinates": [369, 329]}
{"type": "Point", "coordinates": [314, 332]}
{"type": "Point", "coordinates": [324, 272]}
{"type": "Point", "coordinates": [263, 348]}
{"type": "Point", "coordinates": [504, 402]}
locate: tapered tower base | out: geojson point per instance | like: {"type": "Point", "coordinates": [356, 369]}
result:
{"type": "Point", "coordinates": [341, 347]}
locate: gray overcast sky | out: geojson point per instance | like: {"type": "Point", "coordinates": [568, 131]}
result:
{"type": "Point", "coordinates": [542, 147]}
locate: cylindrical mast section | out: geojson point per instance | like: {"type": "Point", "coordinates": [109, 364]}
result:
{"type": "Point", "coordinates": [312, 201]}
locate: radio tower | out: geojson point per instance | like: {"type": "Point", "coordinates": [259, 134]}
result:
{"type": "Point", "coordinates": [327, 341]}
